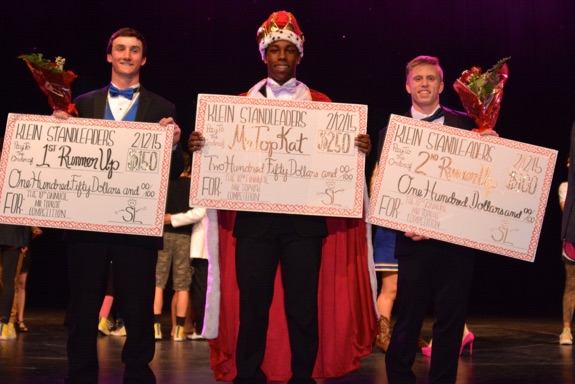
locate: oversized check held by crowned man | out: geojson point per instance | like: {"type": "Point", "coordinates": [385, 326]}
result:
{"type": "Point", "coordinates": [295, 157]}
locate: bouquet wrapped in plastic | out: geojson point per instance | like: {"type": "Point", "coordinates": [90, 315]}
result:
{"type": "Point", "coordinates": [53, 80]}
{"type": "Point", "coordinates": [481, 93]}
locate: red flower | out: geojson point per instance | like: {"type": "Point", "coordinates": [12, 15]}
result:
{"type": "Point", "coordinates": [465, 75]}
{"type": "Point", "coordinates": [53, 81]}
{"type": "Point", "coordinates": [481, 93]}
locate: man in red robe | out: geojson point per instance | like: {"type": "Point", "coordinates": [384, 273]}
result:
{"type": "Point", "coordinates": [296, 297]}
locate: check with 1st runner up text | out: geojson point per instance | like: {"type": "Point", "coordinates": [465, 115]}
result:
{"type": "Point", "coordinates": [85, 174]}
{"type": "Point", "coordinates": [453, 185]}
{"type": "Point", "coordinates": [295, 157]}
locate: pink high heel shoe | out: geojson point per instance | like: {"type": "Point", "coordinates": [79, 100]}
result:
{"type": "Point", "coordinates": [468, 339]}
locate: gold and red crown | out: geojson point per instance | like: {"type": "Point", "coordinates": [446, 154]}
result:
{"type": "Point", "coordinates": [280, 25]}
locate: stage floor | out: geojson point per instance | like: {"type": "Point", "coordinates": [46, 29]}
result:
{"type": "Point", "coordinates": [506, 350]}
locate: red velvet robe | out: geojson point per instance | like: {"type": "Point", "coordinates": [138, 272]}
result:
{"type": "Point", "coordinates": [347, 315]}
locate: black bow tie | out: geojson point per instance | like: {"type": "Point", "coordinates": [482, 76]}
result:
{"type": "Point", "coordinates": [128, 93]}
{"type": "Point", "coordinates": [438, 113]}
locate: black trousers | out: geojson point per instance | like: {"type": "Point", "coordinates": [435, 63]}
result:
{"type": "Point", "coordinates": [445, 277]}
{"type": "Point", "coordinates": [134, 289]}
{"type": "Point", "coordinates": [9, 261]}
{"type": "Point", "coordinates": [257, 261]}
{"type": "Point", "coordinates": [198, 291]}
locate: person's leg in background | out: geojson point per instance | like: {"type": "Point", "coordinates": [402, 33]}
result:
{"type": "Point", "coordinates": [18, 295]}
{"type": "Point", "coordinates": [181, 280]}
{"type": "Point", "coordinates": [9, 259]}
{"type": "Point", "coordinates": [105, 325]}
{"type": "Point", "coordinates": [199, 290]}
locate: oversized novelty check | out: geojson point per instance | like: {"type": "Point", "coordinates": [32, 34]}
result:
{"type": "Point", "coordinates": [450, 184]}
{"type": "Point", "coordinates": [85, 174]}
{"type": "Point", "coordinates": [281, 156]}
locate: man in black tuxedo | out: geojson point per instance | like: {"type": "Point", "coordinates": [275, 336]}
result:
{"type": "Point", "coordinates": [568, 224]}
{"type": "Point", "coordinates": [133, 257]}
{"type": "Point", "coordinates": [429, 268]}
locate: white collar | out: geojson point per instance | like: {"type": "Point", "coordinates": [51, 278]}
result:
{"type": "Point", "coordinates": [419, 116]}
{"type": "Point", "coordinates": [302, 92]}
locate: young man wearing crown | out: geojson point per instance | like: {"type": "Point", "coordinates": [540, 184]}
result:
{"type": "Point", "coordinates": [266, 240]}
{"type": "Point", "coordinates": [278, 332]}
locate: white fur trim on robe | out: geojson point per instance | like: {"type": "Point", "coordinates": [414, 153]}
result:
{"type": "Point", "coordinates": [212, 314]}
{"type": "Point", "coordinates": [211, 320]}
{"type": "Point", "coordinates": [370, 261]}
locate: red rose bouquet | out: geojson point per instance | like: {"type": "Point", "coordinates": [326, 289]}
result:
{"type": "Point", "coordinates": [53, 80]}
{"type": "Point", "coordinates": [481, 93]}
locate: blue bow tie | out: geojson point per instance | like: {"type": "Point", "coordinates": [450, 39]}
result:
{"type": "Point", "coordinates": [286, 88]}
{"type": "Point", "coordinates": [128, 93]}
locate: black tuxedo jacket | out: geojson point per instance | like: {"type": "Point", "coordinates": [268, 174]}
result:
{"type": "Point", "coordinates": [568, 224]}
{"type": "Point", "coordinates": [256, 224]}
{"type": "Point", "coordinates": [151, 109]}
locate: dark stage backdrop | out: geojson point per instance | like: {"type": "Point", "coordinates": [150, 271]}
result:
{"type": "Point", "coordinates": [355, 52]}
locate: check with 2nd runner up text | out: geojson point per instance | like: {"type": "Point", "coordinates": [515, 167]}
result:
{"type": "Point", "coordinates": [295, 157]}
{"type": "Point", "coordinates": [450, 184]}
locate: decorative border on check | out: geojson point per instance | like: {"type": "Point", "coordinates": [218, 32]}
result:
{"type": "Point", "coordinates": [155, 230]}
{"type": "Point", "coordinates": [356, 211]}
{"type": "Point", "coordinates": [529, 253]}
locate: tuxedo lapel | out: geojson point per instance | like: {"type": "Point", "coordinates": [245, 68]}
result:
{"type": "Point", "coordinates": [101, 96]}
{"type": "Point", "coordinates": [450, 118]}
{"type": "Point", "coordinates": [100, 103]}
{"type": "Point", "coordinates": [144, 103]}
{"type": "Point", "coordinates": [453, 119]}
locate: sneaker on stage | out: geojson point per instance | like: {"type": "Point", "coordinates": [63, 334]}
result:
{"type": "Point", "coordinates": [179, 334]}
{"type": "Point", "coordinates": [120, 330]}
{"type": "Point", "coordinates": [158, 331]}
{"type": "Point", "coordinates": [195, 336]}
{"type": "Point", "coordinates": [105, 326]}
{"type": "Point", "coordinates": [7, 331]}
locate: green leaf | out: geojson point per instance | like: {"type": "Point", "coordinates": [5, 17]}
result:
{"type": "Point", "coordinates": [38, 59]}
